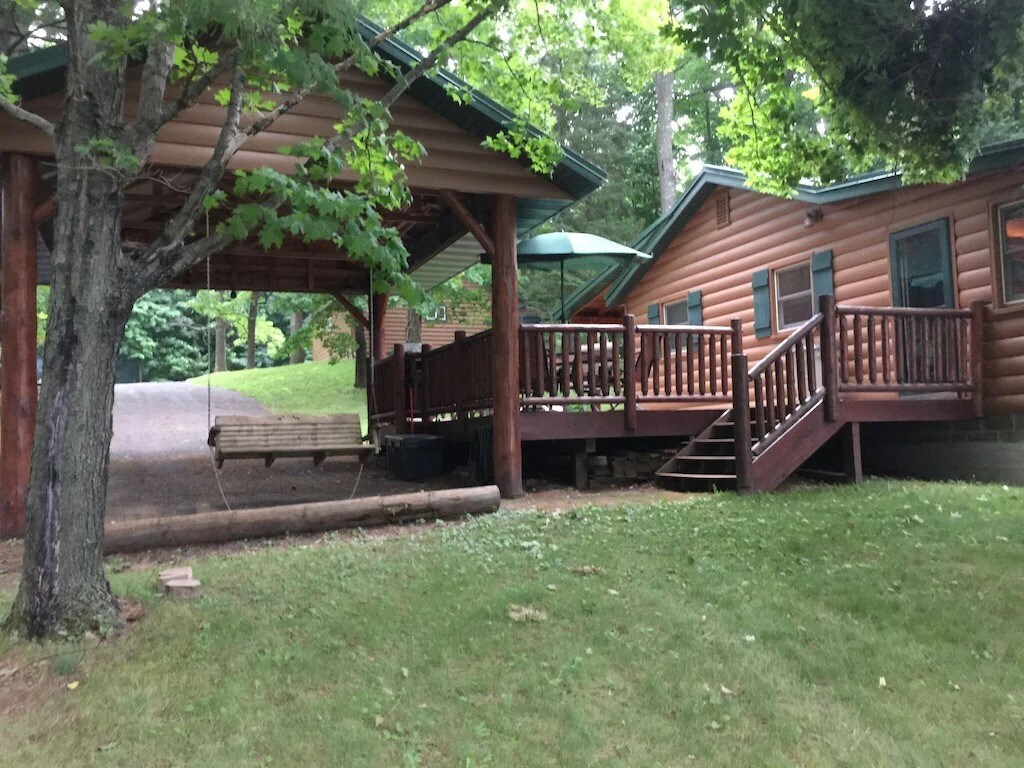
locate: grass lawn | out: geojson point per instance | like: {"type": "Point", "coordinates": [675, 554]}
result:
{"type": "Point", "coordinates": [719, 631]}
{"type": "Point", "coordinates": [311, 388]}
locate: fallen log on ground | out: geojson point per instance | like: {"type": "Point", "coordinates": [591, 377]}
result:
{"type": "Point", "coordinates": [213, 527]}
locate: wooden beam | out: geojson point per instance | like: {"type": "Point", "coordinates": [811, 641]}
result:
{"type": "Point", "coordinates": [356, 312]}
{"type": "Point", "coordinates": [45, 211]}
{"type": "Point", "coordinates": [18, 392]}
{"type": "Point", "coordinates": [851, 453]}
{"type": "Point", "coordinates": [469, 221]}
{"type": "Point", "coordinates": [508, 457]}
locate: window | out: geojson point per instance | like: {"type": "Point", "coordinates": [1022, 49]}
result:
{"type": "Point", "coordinates": [1010, 220]}
{"type": "Point", "coordinates": [921, 263]}
{"type": "Point", "coordinates": [438, 315]}
{"type": "Point", "coordinates": [794, 298]}
{"type": "Point", "coordinates": [676, 314]}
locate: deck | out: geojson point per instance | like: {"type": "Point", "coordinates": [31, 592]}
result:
{"type": "Point", "coordinates": [845, 366]}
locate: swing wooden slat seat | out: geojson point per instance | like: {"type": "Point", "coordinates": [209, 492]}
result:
{"type": "Point", "coordinates": [287, 436]}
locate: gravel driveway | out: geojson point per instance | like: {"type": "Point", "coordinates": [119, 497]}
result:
{"type": "Point", "coordinates": [170, 419]}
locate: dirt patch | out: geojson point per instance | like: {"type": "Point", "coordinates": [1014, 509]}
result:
{"type": "Point", "coordinates": [10, 564]}
{"type": "Point", "coordinates": [26, 683]}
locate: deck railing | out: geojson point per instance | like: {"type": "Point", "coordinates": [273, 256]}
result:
{"type": "Point", "coordinates": [907, 350]}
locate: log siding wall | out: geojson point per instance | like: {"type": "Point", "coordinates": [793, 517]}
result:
{"type": "Point", "coordinates": [769, 232]}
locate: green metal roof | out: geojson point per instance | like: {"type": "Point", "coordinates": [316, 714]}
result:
{"type": "Point", "coordinates": [657, 236]}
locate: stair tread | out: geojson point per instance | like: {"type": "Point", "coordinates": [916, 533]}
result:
{"type": "Point", "coordinates": [701, 457]}
{"type": "Point", "coordinates": [696, 476]}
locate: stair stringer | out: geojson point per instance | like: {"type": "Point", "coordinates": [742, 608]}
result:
{"type": "Point", "coordinates": [792, 449]}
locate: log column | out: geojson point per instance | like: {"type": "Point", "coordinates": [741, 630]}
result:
{"type": "Point", "coordinates": [379, 305]}
{"type": "Point", "coordinates": [18, 391]}
{"type": "Point", "coordinates": [508, 458]}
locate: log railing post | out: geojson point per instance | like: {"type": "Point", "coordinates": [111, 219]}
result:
{"type": "Point", "coordinates": [398, 384]}
{"type": "Point", "coordinates": [508, 457]}
{"type": "Point", "coordinates": [829, 378]}
{"type": "Point", "coordinates": [455, 375]}
{"type": "Point", "coordinates": [18, 393]}
{"type": "Point", "coordinates": [425, 402]}
{"type": "Point", "coordinates": [629, 369]}
{"type": "Point", "coordinates": [977, 357]}
{"type": "Point", "coordinates": [741, 422]}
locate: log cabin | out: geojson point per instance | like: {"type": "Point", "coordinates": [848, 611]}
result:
{"type": "Point", "coordinates": [889, 253]}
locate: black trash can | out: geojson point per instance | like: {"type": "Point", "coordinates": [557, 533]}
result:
{"type": "Point", "coordinates": [415, 457]}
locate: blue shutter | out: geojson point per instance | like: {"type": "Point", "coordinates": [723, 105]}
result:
{"type": "Point", "coordinates": [694, 308]}
{"type": "Point", "coordinates": [653, 313]}
{"type": "Point", "coordinates": [762, 304]}
{"type": "Point", "coordinates": [821, 276]}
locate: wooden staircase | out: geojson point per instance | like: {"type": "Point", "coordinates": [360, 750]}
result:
{"type": "Point", "coordinates": [706, 463]}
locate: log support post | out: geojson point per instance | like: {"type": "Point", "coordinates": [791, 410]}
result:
{"type": "Point", "coordinates": [18, 392]}
{"type": "Point", "coordinates": [401, 403]}
{"type": "Point", "coordinates": [829, 371]}
{"type": "Point", "coordinates": [508, 458]}
{"type": "Point", "coordinates": [741, 423]}
{"type": "Point", "coordinates": [378, 309]}
{"type": "Point", "coordinates": [977, 357]}
{"type": "Point", "coordinates": [629, 365]}
{"type": "Point", "coordinates": [851, 453]}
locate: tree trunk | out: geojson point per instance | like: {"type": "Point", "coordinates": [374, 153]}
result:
{"type": "Point", "coordinates": [664, 83]}
{"type": "Point", "coordinates": [361, 355]}
{"type": "Point", "coordinates": [413, 327]}
{"type": "Point", "coordinates": [298, 354]}
{"type": "Point", "coordinates": [64, 589]}
{"type": "Point", "coordinates": [220, 345]}
{"type": "Point", "coordinates": [250, 339]}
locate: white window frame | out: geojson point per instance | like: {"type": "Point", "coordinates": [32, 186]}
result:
{"type": "Point", "coordinates": [778, 297]}
{"type": "Point", "coordinates": [439, 315]}
{"type": "Point", "coordinates": [1000, 242]}
{"type": "Point", "coordinates": [666, 307]}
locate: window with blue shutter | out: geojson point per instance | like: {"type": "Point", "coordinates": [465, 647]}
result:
{"type": "Point", "coordinates": [694, 308]}
{"type": "Point", "coordinates": [821, 276]}
{"type": "Point", "coordinates": [759, 282]}
{"type": "Point", "coordinates": [653, 314]}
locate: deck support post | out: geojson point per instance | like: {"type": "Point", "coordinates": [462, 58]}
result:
{"type": "Point", "coordinates": [629, 369]}
{"type": "Point", "coordinates": [829, 372]}
{"type": "Point", "coordinates": [401, 405]}
{"type": "Point", "coordinates": [508, 458]}
{"type": "Point", "coordinates": [18, 392]}
{"type": "Point", "coordinates": [977, 357]}
{"type": "Point", "coordinates": [851, 453]}
{"type": "Point", "coordinates": [741, 422]}
{"type": "Point", "coordinates": [580, 473]}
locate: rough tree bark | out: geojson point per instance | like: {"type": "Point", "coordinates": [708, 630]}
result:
{"type": "Point", "coordinates": [64, 588]}
{"type": "Point", "coordinates": [664, 84]}
{"type": "Point", "coordinates": [414, 327]}
{"type": "Point", "coordinates": [250, 338]}
{"type": "Point", "coordinates": [220, 345]}
{"type": "Point", "coordinates": [298, 354]}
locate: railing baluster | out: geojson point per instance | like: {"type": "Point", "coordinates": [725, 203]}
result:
{"type": "Point", "coordinates": [655, 348]}
{"type": "Point", "coordinates": [712, 365]}
{"type": "Point", "coordinates": [679, 362]}
{"type": "Point", "coordinates": [577, 362]}
{"type": "Point", "coordinates": [886, 368]}
{"type": "Point", "coordinates": [812, 382]}
{"type": "Point", "coordinates": [858, 351]}
{"type": "Point", "coordinates": [791, 400]}
{"type": "Point", "coordinates": [525, 355]}
{"type": "Point", "coordinates": [844, 369]}
{"type": "Point", "coordinates": [603, 350]}
{"type": "Point", "coordinates": [667, 347]}
{"type": "Point", "coordinates": [689, 364]}
{"type": "Point", "coordinates": [566, 362]}
{"type": "Point", "coordinates": [591, 363]}
{"type": "Point", "coordinates": [645, 353]}
{"type": "Point", "coordinates": [723, 346]}
{"type": "Point", "coordinates": [759, 407]}
{"type": "Point", "coordinates": [801, 367]}
{"type": "Point", "coordinates": [769, 400]}
{"type": "Point", "coordinates": [872, 351]}
{"type": "Point", "coordinates": [780, 390]}
{"type": "Point", "coordinates": [616, 366]}
{"type": "Point", "coordinates": [701, 368]}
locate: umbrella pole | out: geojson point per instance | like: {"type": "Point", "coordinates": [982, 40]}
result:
{"type": "Point", "coordinates": [561, 285]}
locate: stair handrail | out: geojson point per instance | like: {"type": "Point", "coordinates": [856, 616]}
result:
{"type": "Point", "coordinates": [779, 405]}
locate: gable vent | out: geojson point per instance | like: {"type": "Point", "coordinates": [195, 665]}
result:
{"type": "Point", "coordinates": [722, 217]}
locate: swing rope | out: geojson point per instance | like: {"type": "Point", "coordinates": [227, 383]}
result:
{"type": "Point", "coordinates": [209, 382]}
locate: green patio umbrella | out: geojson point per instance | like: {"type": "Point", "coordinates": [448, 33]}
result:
{"type": "Point", "coordinates": [552, 250]}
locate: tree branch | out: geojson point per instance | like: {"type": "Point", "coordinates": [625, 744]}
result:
{"type": "Point", "coordinates": [167, 256]}
{"type": "Point", "coordinates": [24, 115]}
